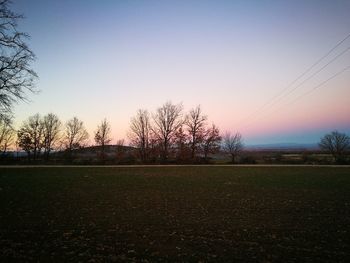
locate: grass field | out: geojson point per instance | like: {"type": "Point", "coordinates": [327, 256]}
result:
{"type": "Point", "coordinates": [284, 214]}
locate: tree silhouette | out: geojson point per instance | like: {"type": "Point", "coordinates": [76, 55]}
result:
{"type": "Point", "coordinates": [16, 74]}
{"type": "Point", "coordinates": [337, 144]}
{"type": "Point", "coordinates": [103, 136]}
{"type": "Point", "coordinates": [233, 144]}
{"type": "Point", "coordinates": [211, 141]}
{"type": "Point", "coordinates": [195, 122]}
{"type": "Point", "coordinates": [139, 135]}
{"type": "Point", "coordinates": [7, 134]}
{"type": "Point", "coordinates": [52, 128]}
{"type": "Point", "coordinates": [75, 135]}
{"type": "Point", "coordinates": [30, 135]}
{"type": "Point", "coordinates": [167, 120]}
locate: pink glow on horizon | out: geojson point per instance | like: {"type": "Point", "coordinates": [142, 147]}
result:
{"type": "Point", "coordinates": [294, 124]}
{"type": "Point", "coordinates": [326, 112]}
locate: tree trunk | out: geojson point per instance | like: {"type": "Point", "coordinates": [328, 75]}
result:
{"type": "Point", "coordinates": [193, 148]}
{"type": "Point", "coordinates": [165, 153]}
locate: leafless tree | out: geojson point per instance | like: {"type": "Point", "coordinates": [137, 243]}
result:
{"type": "Point", "coordinates": [167, 120]}
{"type": "Point", "coordinates": [31, 135]}
{"type": "Point", "coordinates": [139, 133]}
{"type": "Point", "coordinates": [195, 122]}
{"type": "Point", "coordinates": [75, 135]}
{"type": "Point", "coordinates": [16, 74]}
{"type": "Point", "coordinates": [154, 147]}
{"type": "Point", "coordinates": [211, 141]}
{"type": "Point", "coordinates": [337, 144]}
{"type": "Point", "coordinates": [52, 129]}
{"type": "Point", "coordinates": [103, 136]}
{"type": "Point", "coordinates": [183, 152]}
{"type": "Point", "coordinates": [233, 144]}
{"type": "Point", "coordinates": [7, 134]}
{"type": "Point", "coordinates": [24, 141]}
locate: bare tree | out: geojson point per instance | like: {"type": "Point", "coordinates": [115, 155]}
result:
{"type": "Point", "coordinates": [103, 136]}
{"type": "Point", "coordinates": [167, 120]}
{"type": "Point", "coordinates": [211, 141]}
{"type": "Point", "coordinates": [52, 128]}
{"type": "Point", "coordinates": [16, 74]}
{"type": "Point", "coordinates": [7, 134]}
{"type": "Point", "coordinates": [183, 152]}
{"type": "Point", "coordinates": [233, 144]}
{"type": "Point", "coordinates": [31, 134]}
{"type": "Point", "coordinates": [337, 144]}
{"type": "Point", "coordinates": [195, 122]}
{"type": "Point", "coordinates": [154, 146]}
{"type": "Point", "coordinates": [139, 134]}
{"type": "Point", "coordinates": [24, 141]}
{"type": "Point", "coordinates": [75, 135]}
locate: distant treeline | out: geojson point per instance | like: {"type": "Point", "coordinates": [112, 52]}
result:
{"type": "Point", "coordinates": [168, 135]}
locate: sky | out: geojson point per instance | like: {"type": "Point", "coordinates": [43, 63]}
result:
{"type": "Point", "coordinates": [107, 59]}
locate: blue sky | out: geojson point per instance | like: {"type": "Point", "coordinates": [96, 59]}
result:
{"type": "Point", "coordinates": [106, 59]}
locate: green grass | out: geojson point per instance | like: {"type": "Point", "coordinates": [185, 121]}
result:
{"type": "Point", "coordinates": [285, 214]}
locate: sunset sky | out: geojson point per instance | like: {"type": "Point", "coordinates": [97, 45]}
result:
{"type": "Point", "coordinates": [106, 59]}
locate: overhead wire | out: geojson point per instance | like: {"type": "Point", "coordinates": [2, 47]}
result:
{"type": "Point", "coordinates": [319, 86]}
{"type": "Point", "coordinates": [289, 88]}
{"type": "Point", "coordinates": [312, 75]}
{"type": "Point", "coordinates": [307, 92]}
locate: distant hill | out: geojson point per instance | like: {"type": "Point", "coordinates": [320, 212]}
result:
{"type": "Point", "coordinates": [283, 146]}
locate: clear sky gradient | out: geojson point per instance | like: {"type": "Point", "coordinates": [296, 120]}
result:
{"type": "Point", "coordinates": [106, 59]}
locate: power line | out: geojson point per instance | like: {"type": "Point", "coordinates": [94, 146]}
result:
{"type": "Point", "coordinates": [280, 94]}
{"type": "Point", "coordinates": [320, 85]}
{"type": "Point", "coordinates": [310, 77]}
{"type": "Point", "coordinates": [309, 91]}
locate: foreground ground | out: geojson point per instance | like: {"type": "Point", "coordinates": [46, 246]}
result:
{"type": "Point", "coordinates": [284, 214]}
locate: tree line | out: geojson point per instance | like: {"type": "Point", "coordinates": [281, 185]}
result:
{"type": "Point", "coordinates": [166, 135]}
